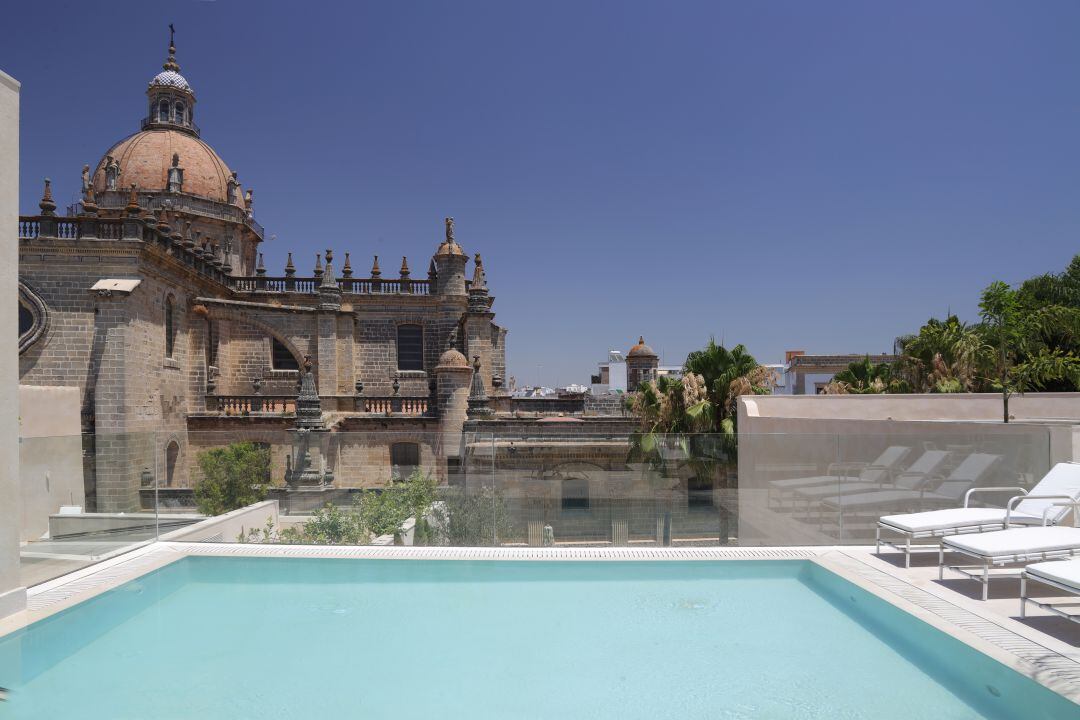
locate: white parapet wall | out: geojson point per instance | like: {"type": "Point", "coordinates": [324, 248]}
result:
{"type": "Point", "coordinates": [961, 414]}
{"type": "Point", "coordinates": [959, 406]}
{"type": "Point", "coordinates": [228, 527]}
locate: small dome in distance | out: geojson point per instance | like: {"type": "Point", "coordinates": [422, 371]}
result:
{"type": "Point", "coordinates": [641, 349]}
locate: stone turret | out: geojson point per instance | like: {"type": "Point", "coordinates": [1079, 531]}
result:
{"type": "Point", "coordinates": [452, 377]}
{"type": "Point", "coordinates": [641, 365]}
{"type": "Point", "coordinates": [450, 261]}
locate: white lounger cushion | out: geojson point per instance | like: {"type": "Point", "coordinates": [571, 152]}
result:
{"type": "Point", "coordinates": [884, 498]}
{"type": "Point", "coordinates": [807, 481]}
{"type": "Point", "coordinates": [1063, 479]}
{"type": "Point", "coordinates": [1065, 572]}
{"type": "Point", "coordinates": [1017, 541]}
{"type": "Point", "coordinates": [955, 518]}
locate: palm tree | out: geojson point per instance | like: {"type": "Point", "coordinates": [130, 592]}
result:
{"type": "Point", "coordinates": [863, 377]}
{"type": "Point", "coordinates": [1019, 334]}
{"type": "Point", "coordinates": [691, 421]}
{"type": "Point", "coordinates": [943, 357]}
{"type": "Point", "coordinates": [726, 374]}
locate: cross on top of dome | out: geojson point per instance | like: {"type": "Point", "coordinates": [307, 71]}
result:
{"type": "Point", "coordinates": [170, 75]}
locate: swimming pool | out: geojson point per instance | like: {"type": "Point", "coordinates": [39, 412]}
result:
{"type": "Point", "coordinates": [226, 637]}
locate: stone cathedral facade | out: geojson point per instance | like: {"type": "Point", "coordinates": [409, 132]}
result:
{"type": "Point", "coordinates": [151, 296]}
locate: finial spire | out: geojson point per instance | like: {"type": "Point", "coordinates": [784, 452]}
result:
{"type": "Point", "coordinates": [290, 269]}
{"type": "Point", "coordinates": [375, 272]}
{"type": "Point", "coordinates": [318, 265]}
{"type": "Point", "coordinates": [346, 269]}
{"type": "Point", "coordinates": [404, 267]}
{"type": "Point", "coordinates": [47, 205]}
{"type": "Point", "coordinates": [170, 63]}
{"type": "Point", "coordinates": [133, 201]}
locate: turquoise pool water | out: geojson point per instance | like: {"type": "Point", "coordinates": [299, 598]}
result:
{"type": "Point", "coordinates": [305, 638]}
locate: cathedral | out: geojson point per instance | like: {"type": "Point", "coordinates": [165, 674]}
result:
{"type": "Point", "coordinates": [152, 298]}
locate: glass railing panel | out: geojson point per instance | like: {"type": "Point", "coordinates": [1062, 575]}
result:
{"type": "Point", "coordinates": [84, 499]}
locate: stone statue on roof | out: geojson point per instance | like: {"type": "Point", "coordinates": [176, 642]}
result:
{"type": "Point", "coordinates": [85, 179]}
{"type": "Point", "coordinates": [234, 185]}
{"type": "Point", "coordinates": [112, 172]}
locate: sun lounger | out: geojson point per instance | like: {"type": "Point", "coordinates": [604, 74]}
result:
{"type": "Point", "coordinates": [1060, 574]}
{"type": "Point", "coordinates": [1006, 547]}
{"type": "Point", "coordinates": [947, 492]}
{"type": "Point", "coordinates": [879, 471]}
{"type": "Point", "coordinates": [1035, 508]}
{"type": "Point", "coordinates": [922, 472]}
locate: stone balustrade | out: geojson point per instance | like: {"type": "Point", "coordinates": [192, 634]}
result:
{"type": "Point", "coordinates": [396, 405]}
{"type": "Point", "coordinates": [310, 285]}
{"type": "Point", "coordinates": [251, 404]}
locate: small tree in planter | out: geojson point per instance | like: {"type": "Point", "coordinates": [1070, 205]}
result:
{"type": "Point", "coordinates": [233, 477]}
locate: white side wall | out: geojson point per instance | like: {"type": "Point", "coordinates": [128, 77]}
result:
{"type": "Point", "coordinates": [50, 455]}
{"type": "Point", "coordinates": [12, 594]}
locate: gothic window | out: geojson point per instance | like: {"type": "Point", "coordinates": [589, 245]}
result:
{"type": "Point", "coordinates": [26, 320]}
{"type": "Point", "coordinates": [575, 494]}
{"type": "Point", "coordinates": [180, 113]}
{"type": "Point", "coordinates": [410, 347]}
{"type": "Point", "coordinates": [281, 358]}
{"type": "Point", "coordinates": [170, 327]}
{"type": "Point", "coordinates": [163, 111]}
{"type": "Point", "coordinates": [405, 456]}
{"type": "Point", "coordinates": [171, 454]}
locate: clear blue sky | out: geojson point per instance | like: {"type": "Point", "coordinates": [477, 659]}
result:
{"type": "Point", "coordinates": [819, 175]}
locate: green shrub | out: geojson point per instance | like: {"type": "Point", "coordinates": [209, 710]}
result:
{"type": "Point", "coordinates": [233, 477]}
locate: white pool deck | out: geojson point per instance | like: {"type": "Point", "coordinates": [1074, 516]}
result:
{"type": "Point", "coordinates": [1042, 646]}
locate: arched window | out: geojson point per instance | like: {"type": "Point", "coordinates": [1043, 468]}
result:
{"type": "Point", "coordinates": [163, 111]}
{"type": "Point", "coordinates": [170, 327]}
{"type": "Point", "coordinates": [405, 456]}
{"type": "Point", "coordinates": [410, 347]}
{"type": "Point", "coordinates": [181, 113]}
{"type": "Point", "coordinates": [172, 452]}
{"type": "Point", "coordinates": [281, 358]}
{"type": "Point", "coordinates": [211, 343]}
{"type": "Point", "coordinates": [575, 494]}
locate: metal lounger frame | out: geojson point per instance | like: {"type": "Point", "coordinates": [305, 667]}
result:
{"type": "Point", "coordinates": [1054, 607]}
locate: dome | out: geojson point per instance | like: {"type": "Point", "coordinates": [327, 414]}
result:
{"type": "Point", "coordinates": [170, 78]}
{"type": "Point", "coordinates": [449, 248]}
{"type": "Point", "coordinates": [146, 156]}
{"type": "Point", "coordinates": [641, 349]}
{"type": "Point", "coordinates": [453, 358]}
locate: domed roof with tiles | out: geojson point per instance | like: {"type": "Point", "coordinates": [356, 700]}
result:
{"type": "Point", "coordinates": [170, 78]}
{"type": "Point", "coordinates": [146, 156]}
